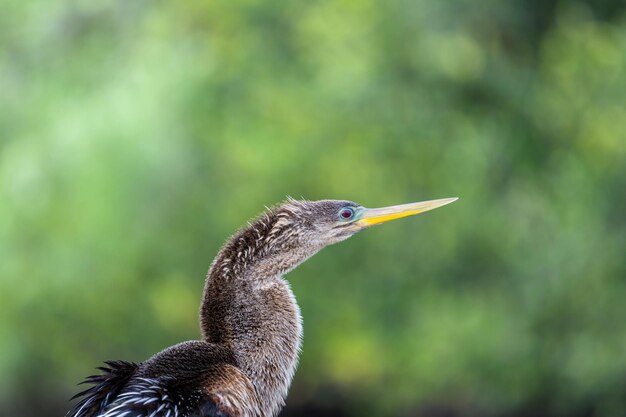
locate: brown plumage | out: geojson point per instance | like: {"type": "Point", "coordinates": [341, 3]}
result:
{"type": "Point", "coordinates": [251, 327]}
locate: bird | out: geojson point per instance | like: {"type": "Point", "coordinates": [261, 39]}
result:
{"type": "Point", "coordinates": [250, 322]}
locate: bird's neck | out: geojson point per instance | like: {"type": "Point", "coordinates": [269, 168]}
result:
{"type": "Point", "coordinates": [249, 308]}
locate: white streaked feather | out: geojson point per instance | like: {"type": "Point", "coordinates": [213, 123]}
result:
{"type": "Point", "coordinates": [144, 391]}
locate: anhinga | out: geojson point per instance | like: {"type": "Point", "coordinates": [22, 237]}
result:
{"type": "Point", "coordinates": [251, 326]}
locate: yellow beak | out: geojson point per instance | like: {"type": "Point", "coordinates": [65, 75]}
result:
{"type": "Point", "coordinates": [371, 217]}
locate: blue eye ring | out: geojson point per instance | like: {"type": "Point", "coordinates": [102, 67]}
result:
{"type": "Point", "coordinates": [346, 213]}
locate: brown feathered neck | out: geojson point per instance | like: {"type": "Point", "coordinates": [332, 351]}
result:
{"type": "Point", "coordinates": [249, 308]}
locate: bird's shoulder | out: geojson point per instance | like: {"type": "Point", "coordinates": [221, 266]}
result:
{"type": "Point", "coordinates": [192, 379]}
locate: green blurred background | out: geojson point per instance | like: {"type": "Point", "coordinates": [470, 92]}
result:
{"type": "Point", "coordinates": [136, 136]}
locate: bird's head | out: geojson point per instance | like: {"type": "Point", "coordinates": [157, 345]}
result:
{"type": "Point", "coordinates": [324, 222]}
{"type": "Point", "coordinates": [286, 235]}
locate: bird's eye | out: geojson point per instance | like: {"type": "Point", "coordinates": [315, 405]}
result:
{"type": "Point", "coordinates": [346, 213]}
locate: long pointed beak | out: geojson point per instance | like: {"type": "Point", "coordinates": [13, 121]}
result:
{"type": "Point", "coordinates": [370, 217]}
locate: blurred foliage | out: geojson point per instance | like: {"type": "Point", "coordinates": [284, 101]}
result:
{"type": "Point", "coordinates": [136, 136]}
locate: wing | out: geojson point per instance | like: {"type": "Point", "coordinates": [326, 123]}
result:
{"type": "Point", "coordinates": [161, 397]}
{"type": "Point", "coordinates": [105, 389]}
{"type": "Point", "coordinates": [191, 379]}
{"type": "Point", "coordinates": [118, 393]}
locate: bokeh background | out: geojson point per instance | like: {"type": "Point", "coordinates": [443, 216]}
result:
{"type": "Point", "coordinates": [136, 136]}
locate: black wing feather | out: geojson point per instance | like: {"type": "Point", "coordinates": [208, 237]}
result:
{"type": "Point", "coordinates": [162, 397]}
{"type": "Point", "coordinates": [117, 392]}
{"type": "Point", "coordinates": [106, 387]}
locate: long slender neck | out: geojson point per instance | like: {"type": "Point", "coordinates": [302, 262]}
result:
{"type": "Point", "coordinates": [249, 308]}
